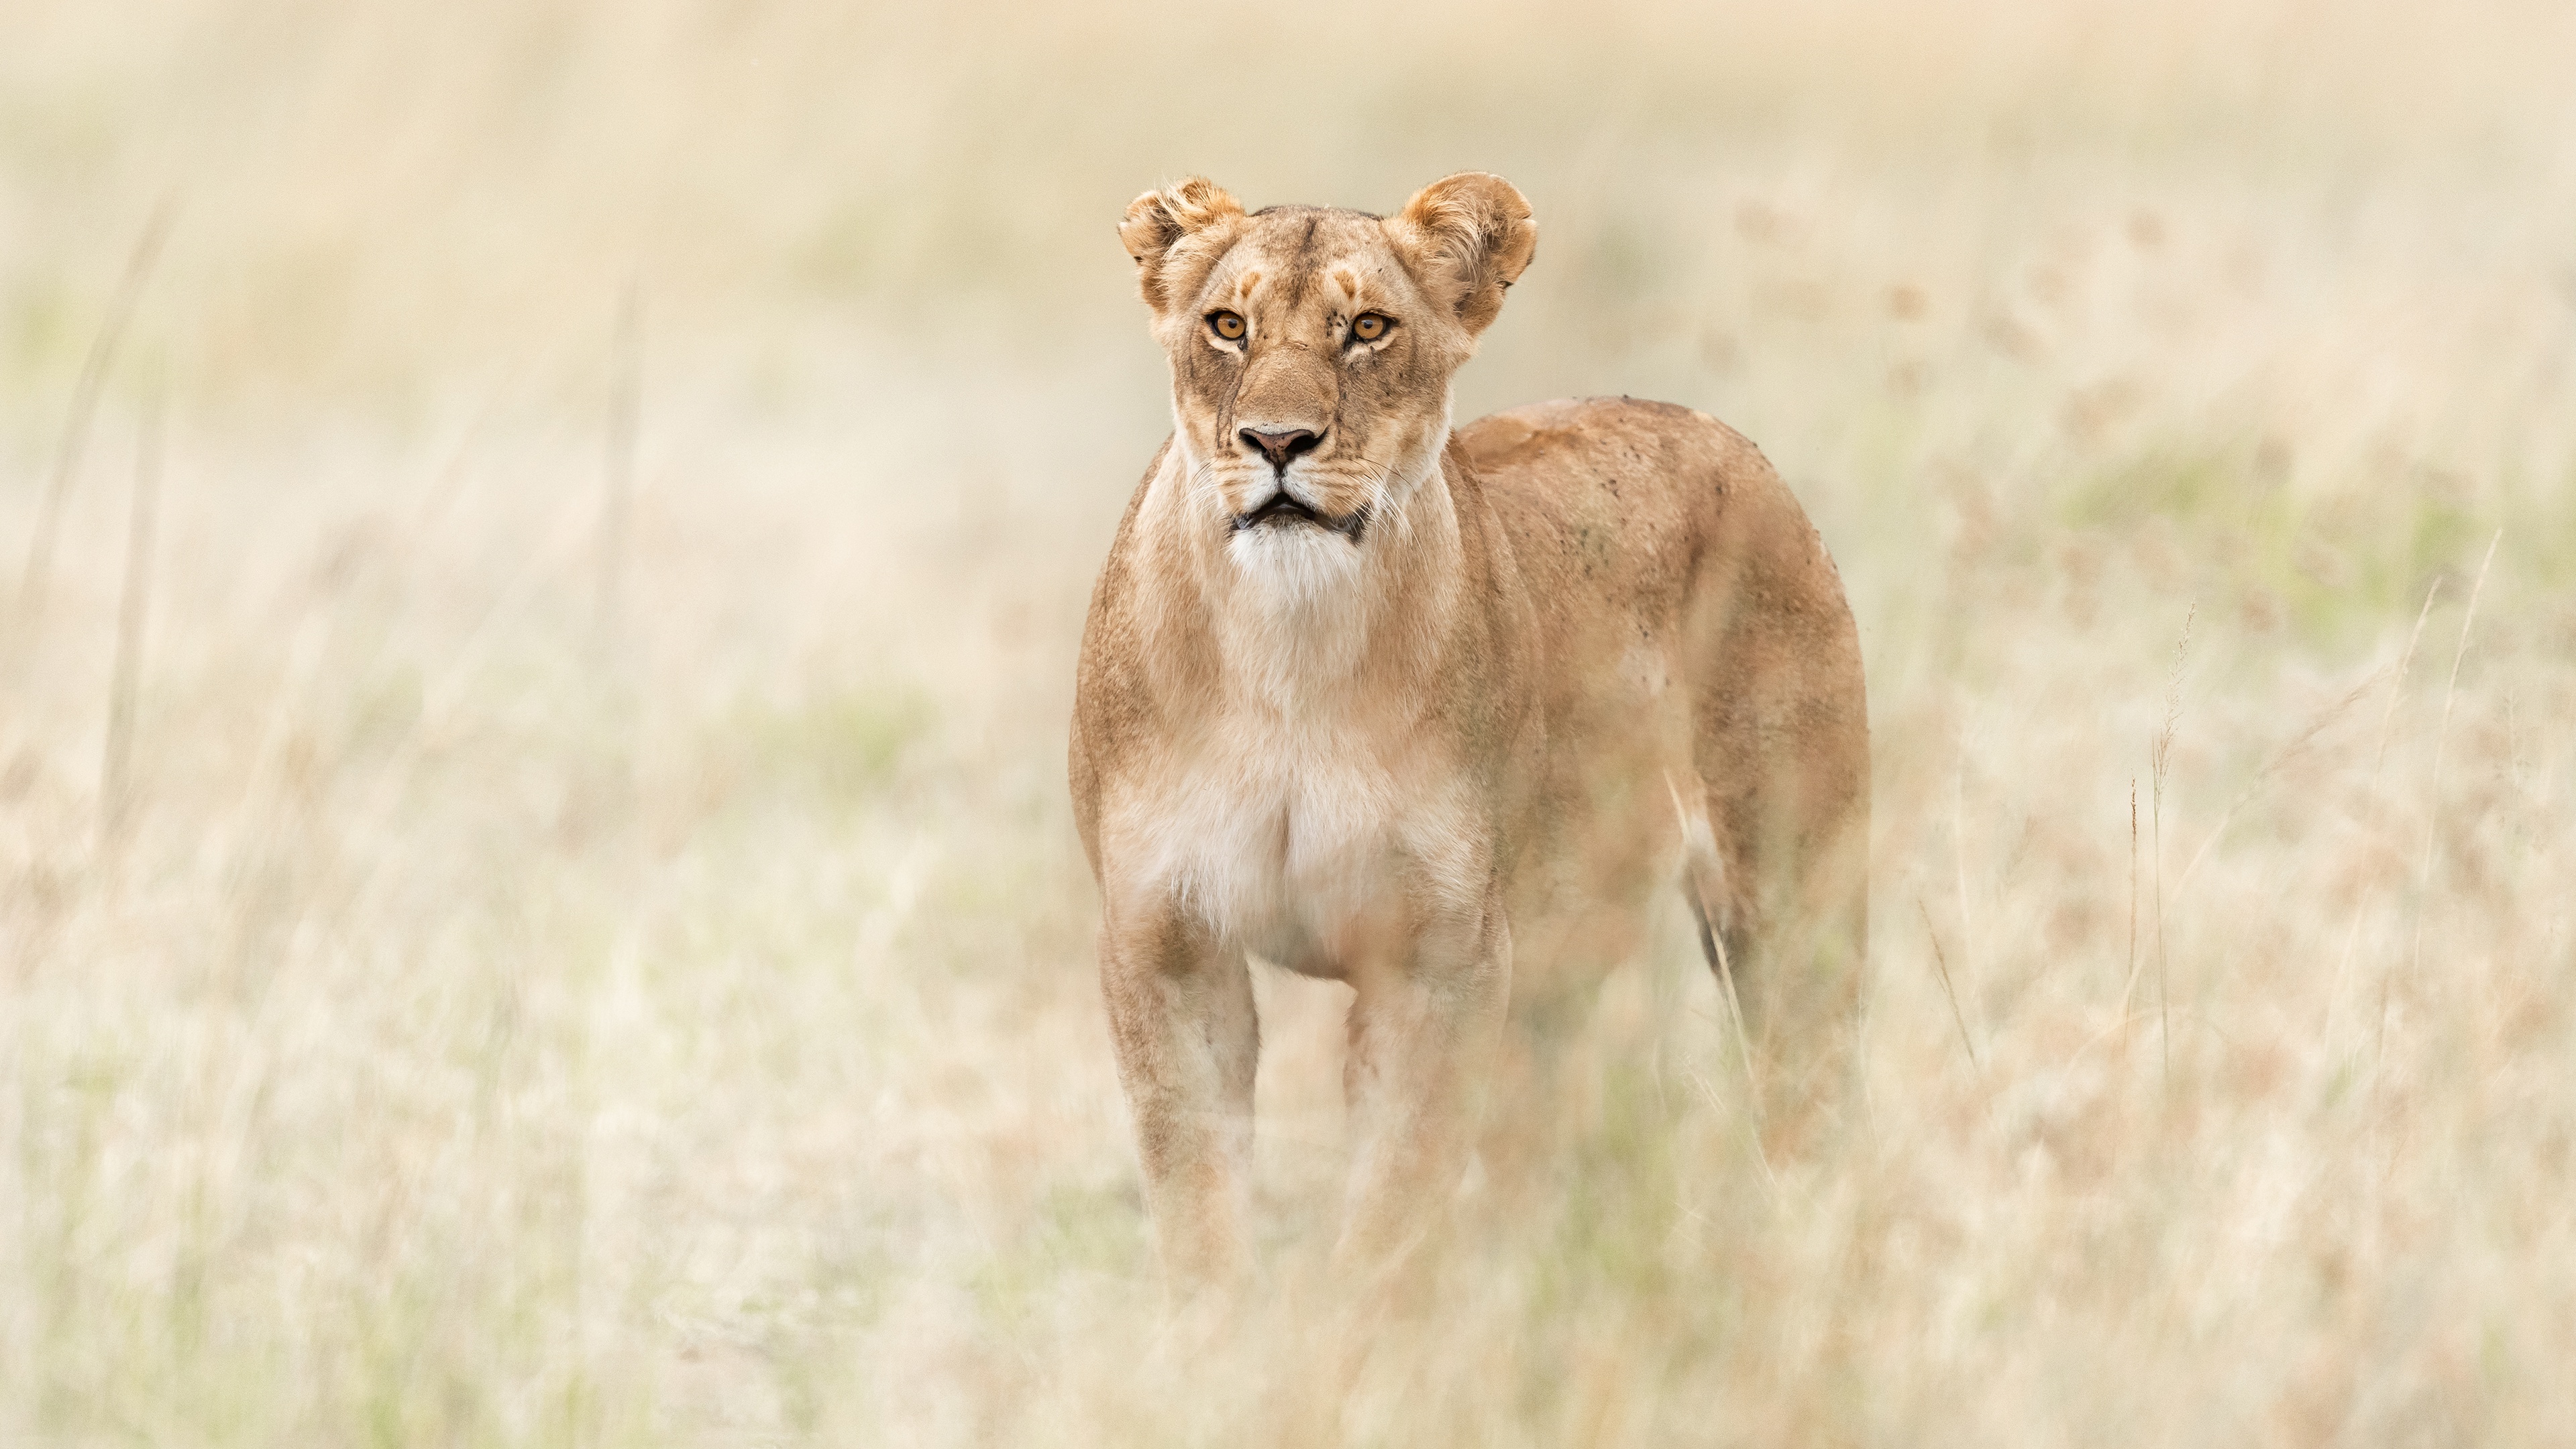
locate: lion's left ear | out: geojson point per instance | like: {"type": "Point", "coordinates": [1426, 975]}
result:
{"type": "Point", "coordinates": [1467, 237]}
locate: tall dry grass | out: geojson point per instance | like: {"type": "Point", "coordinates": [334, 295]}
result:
{"type": "Point", "coordinates": [585, 943]}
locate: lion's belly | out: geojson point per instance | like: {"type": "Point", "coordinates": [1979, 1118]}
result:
{"type": "Point", "coordinates": [1620, 800]}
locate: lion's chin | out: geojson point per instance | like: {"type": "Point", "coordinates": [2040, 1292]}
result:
{"type": "Point", "coordinates": [1292, 562]}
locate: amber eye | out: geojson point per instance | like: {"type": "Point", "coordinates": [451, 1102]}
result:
{"type": "Point", "coordinates": [1227, 325]}
{"type": "Point", "coordinates": [1368, 326]}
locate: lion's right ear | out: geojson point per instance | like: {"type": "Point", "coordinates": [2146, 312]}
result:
{"type": "Point", "coordinates": [1175, 235]}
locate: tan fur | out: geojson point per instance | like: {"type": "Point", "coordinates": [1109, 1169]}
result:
{"type": "Point", "coordinates": [1441, 730]}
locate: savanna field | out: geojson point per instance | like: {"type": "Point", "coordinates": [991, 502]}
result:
{"type": "Point", "coordinates": [542, 548]}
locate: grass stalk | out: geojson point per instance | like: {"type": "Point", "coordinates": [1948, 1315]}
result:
{"type": "Point", "coordinates": [2129, 978]}
{"type": "Point", "coordinates": [1941, 964]}
{"type": "Point", "coordinates": [2379, 760]}
{"type": "Point", "coordinates": [37, 577]}
{"type": "Point", "coordinates": [116, 781]}
{"type": "Point", "coordinates": [2433, 811]}
{"type": "Point", "coordinates": [1715, 943]}
{"type": "Point", "coordinates": [625, 418]}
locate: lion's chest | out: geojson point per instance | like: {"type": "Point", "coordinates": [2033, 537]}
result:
{"type": "Point", "coordinates": [1310, 845]}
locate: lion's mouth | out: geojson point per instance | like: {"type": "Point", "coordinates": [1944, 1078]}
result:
{"type": "Point", "coordinates": [1283, 510]}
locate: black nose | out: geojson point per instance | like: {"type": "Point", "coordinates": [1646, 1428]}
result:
{"type": "Point", "coordinates": [1280, 447]}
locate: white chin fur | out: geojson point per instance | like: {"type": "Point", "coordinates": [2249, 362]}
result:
{"type": "Point", "coordinates": [1300, 617]}
{"type": "Point", "coordinates": [1294, 565]}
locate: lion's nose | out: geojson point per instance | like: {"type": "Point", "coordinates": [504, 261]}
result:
{"type": "Point", "coordinates": [1280, 447]}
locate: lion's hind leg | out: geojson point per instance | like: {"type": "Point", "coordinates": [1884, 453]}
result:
{"type": "Point", "coordinates": [1780, 900]}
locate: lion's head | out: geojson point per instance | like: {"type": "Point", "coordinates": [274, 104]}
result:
{"type": "Point", "coordinates": [1312, 348]}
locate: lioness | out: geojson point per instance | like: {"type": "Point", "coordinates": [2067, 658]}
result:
{"type": "Point", "coordinates": [1431, 713]}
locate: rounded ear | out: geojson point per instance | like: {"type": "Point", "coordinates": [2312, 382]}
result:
{"type": "Point", "coordinates": [1467, 238]}
{"type": "Point", "coordinates": [1171, 231]}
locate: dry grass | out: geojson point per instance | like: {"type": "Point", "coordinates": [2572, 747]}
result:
{"type": "Point", "coordinates": [486, 1021]}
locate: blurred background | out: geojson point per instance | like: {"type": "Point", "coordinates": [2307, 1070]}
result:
{"type": "Point", "coordinates": [541, 553]}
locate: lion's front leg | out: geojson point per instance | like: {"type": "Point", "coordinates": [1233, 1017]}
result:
{"type": "Point", "coordinates": [1423, 1032]}
{"type": "Point", "coordinates": [1188, 1042]}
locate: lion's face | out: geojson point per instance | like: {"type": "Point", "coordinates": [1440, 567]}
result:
{"type": "Point", "coordinates": [1311, 349]}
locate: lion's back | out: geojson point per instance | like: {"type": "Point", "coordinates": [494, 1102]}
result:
{"type": "Point", "coordinates": [1618, 503]}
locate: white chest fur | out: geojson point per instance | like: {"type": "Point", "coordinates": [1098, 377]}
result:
{"type": "Point", "coordinates": [1302, 839]}
{"type": "Point", "coordinates": [1307, 815]}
